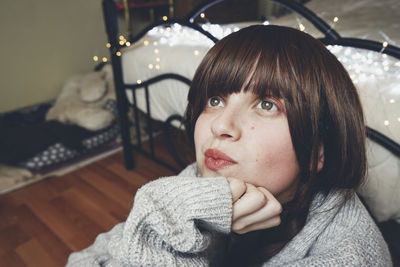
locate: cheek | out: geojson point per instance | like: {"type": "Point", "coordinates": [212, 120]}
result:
{"type": "Point", "coordinates": [275, 162]}
{"type": "Point", "coordinates": [200, 135]}
{"type": "Point", "coordinates": [199, 130]}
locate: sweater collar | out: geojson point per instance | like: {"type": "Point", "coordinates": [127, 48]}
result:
{"type": "Point", "coordinates": [323, 209]}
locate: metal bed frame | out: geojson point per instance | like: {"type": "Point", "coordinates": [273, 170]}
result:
{"type": "Point", "coordinates": [331, 37]}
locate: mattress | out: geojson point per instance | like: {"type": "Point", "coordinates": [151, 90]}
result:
{"type": "Point", "coordinates": [179, 49]}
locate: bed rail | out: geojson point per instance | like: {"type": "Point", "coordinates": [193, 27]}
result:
{"type": "Point", "coordinates": [150, 133]}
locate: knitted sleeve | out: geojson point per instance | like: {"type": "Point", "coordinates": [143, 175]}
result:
{"type": "Point", "coordinates": [170, 224]}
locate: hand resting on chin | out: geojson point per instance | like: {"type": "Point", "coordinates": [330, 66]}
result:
{"type": "Point", "coordinates": [254, 208]}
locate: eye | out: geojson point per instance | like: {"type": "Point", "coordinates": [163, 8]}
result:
{"type": "Point", "coordinates": [267, 105]}
{"type": "Point", "coordinates": [215, 101]}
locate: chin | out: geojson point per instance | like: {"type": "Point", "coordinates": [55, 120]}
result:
{"type": "Point", "coordinates": [205, 172]}
{"type": "Point", "coordinates": [209, 173]}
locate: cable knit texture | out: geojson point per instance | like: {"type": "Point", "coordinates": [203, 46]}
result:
{"type": "Point", "coordinates": [174, 220]}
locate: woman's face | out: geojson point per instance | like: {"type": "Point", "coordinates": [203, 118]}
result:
{"type": "Point", "coordinates": [247, 138]}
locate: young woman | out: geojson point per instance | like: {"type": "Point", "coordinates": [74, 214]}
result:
{"type": "Point", "coordinates": [279, 136]}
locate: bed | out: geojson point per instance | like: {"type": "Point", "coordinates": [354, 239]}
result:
{"type": "Point", "coordinates": [153, 69]}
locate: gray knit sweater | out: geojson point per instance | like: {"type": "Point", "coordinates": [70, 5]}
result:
{"type": "Point", "coordinates": [174, 220]}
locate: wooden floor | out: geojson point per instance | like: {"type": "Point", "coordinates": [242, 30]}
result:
{"type": "Point", "coordinates": [43, 223]}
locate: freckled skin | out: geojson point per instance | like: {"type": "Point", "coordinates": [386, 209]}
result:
{"type": "Point", "coordinates": [264, 154]}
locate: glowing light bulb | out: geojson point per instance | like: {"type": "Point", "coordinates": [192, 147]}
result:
{"type": "Point", "coordinates": [104, 59]}
{"type": "Point", "coordinates": [121, 42]}
{"type": "Point", "coordinates": [392, 101]}
{"type": "Point", "coordinates": [96, 58]}
{"type": "Point", "coordinates": [151, 66]}
{"type": "Point", "coordinates": [156, 51]}
{"type": "Point", "coordinates": [301, 27]}
{"type": "Point", "coordinates": [157, 66]}
{"type": "Point", "coordinates": [139, 81]}
{"type": "Point", "coordinates": [386, 122]}
{"type": "Point", "coordinates": [108, 45]}
{"type": "Point", "coordinates": [155, 43]}
{"type": "Point", "coordinates": [118, 53]}
{"type": "Point", "coordinates": [128, 43]}
{"type": "Point", "coordinates": [196, 52]}
{"type": "Point", "coordinates": [202, 15]}
{"type": "Point", "coordinates": [121, 37]}
{"type": "Point", "coordinates": [385, 44]}
{"type": "Point", "coordinates": [157, 59]}
{"type": "Point", "coordinates": [335, 19]}
{"type": "Point", "coordinates": [146, 43]}
{"type": "Point", "coordinates": [164, 18]}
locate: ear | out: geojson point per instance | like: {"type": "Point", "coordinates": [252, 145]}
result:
{"type": "Point", "coordinates": [321, 158]}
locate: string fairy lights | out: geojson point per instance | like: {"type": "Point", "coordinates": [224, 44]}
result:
{"type": "Point", "coordinates": [300, 25]}
{"type": "Point", "coordinates": [365, 67]}
{"type": "Point", "coordinates": [377, 75]}
{"type": "Point", "coordinates": [334, 21]}
{"type": "Point", "coordinates": [384, 45]}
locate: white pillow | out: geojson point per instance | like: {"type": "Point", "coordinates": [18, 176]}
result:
{"type": "Point", "coordinates": [381, 190]}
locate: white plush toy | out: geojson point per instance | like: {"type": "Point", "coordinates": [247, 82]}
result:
{"type": "Point", "coordinates": [82, 99]}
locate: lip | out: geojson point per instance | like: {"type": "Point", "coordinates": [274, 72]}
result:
{"type": "Point", "coordinates": [216, 160]}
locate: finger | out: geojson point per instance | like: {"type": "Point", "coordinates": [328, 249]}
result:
{"type": "Point", "coordinates": [272, 222]}
{"type": "Point", "coordinates": [272, 209]}
{"type": "Point", "coordinates": [273, 203]}
{"type": "Point", "coordinates": [238, 188]}
{"type": "Point", "coordinates": [250, 202]}
{"type": "Point", "coordinates": [267, 194]}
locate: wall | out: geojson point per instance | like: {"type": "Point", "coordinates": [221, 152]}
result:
{"type": "Point", "coordinates": [43, 42]}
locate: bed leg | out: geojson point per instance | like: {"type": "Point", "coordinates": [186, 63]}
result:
{"type": "Point", "coordinates": [111, 23]}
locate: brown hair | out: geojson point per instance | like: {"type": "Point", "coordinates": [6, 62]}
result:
{"type": "Point", "coordinates": [321, 102]}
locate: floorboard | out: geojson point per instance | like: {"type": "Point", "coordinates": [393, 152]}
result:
{"type": "Point", "coordinates": [41, 224]}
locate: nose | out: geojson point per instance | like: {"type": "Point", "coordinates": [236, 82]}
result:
{"type": "Point", "coordinates": [226, 125]}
